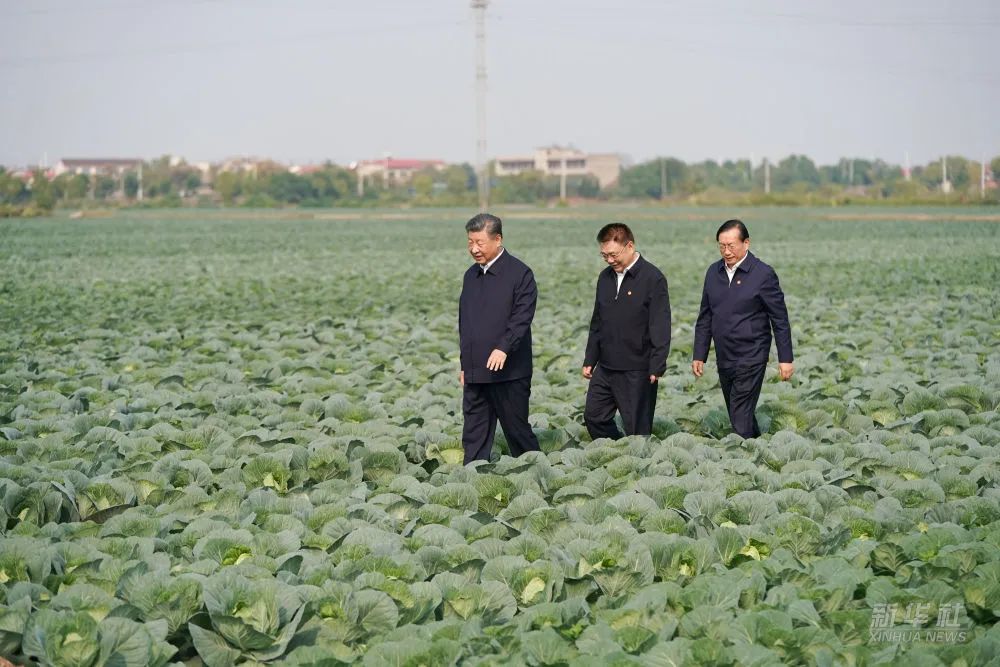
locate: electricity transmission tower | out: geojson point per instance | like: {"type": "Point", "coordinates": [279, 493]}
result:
{"type": "Point", "coordinates": [483, 177]}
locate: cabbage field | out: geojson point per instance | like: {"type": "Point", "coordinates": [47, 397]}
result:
{"type": "Point", "coordinates": [233, 438]}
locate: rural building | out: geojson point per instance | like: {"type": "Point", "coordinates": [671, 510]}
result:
{"type": "Point", "coordinates": [552, 160]}
{"type": "Point", "coordinates": [391, 170]}
{"type": "Point", "coordinates": [395, 170]}
{"type": "Point", "coordinates": [94, 166]}
{"type": "Point", "coordinates": [305, 169]}
{"type": "Point", "coordinates": [247, 164]}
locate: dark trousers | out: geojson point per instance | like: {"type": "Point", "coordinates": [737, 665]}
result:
{"type": "Point", "coordinates": [741, 389]}
{"type": "Point", "coordinates": [629, 392]}
{"type": "Point", "coordinates": [484, 403]}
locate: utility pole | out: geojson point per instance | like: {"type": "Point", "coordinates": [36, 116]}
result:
{"type": "Point", "coordinates": [906, 169]}
{"type": "Point", "coordinates": [562, 179]}
{"type": "Point", "coordinates": [663, 180]}
{"type": "Point", "coordinates": [767, 177]}
{"type": "Point", "coordinates": [139, 190]}
{"type": "Point", "coordinates": [479, 7]}
{"type": "Point", "coordinates": [982, 178]}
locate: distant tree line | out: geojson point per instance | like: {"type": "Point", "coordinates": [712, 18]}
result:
{"type": "Point", "coordinates": [798, 180]}
{"type": "Point", "coordinates": [793, 180]}
{"type": "Point", "coordinates": [163, 184]}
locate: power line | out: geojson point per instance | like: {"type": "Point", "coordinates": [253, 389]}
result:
{"type": "Point", "coordinates": [97, 8]}
{"type": "Point", "coordinates": [212, 47]}
{"type": "Point", "coordinates": [798, 57]}
{"type": "Point", "coordinates": [616, 14]}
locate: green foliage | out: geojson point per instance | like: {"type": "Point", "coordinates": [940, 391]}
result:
{"type": "Point", "coordinates": [77, 640]}
{"type": "Point", "coordinates": [228, 442]}
{"type": "Point", "coordinates": [794, 181]}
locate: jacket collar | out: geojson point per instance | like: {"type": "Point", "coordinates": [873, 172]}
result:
{"type": "Point", "coordinates": [497, 267]}
{"type": "Point", "coordinates": [749, 262]}
{"type": "Point", "coordinates": [634, 271]}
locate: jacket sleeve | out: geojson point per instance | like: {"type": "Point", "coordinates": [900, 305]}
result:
{"type": "Point", "coordinates": [774, 304]}
{"type": "Point", "coordinates": [461, 348]}
{"type": "Point", "coordinates": [703, 327]}
{"type": "Point", "coordinates": [522, 311]}
{"type": "Point", "coordinates": [659, 327]}
{"type": "Point", "coordinates": [593, 353]}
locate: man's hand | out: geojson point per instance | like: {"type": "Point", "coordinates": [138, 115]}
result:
{"type": "Point", "coordinates": [588, 372]}
{"type": "Point", "coordinates": [652, 379]}
{"type": "Point", "coordinates": [786, 370]}
{"type": "Point", "coordinates": [496, 360]}
{"type": "Point", "coordinates": [698, 368]}
{"type": "Point", "coordinates": [461, 378]}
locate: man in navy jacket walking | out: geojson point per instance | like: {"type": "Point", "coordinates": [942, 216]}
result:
{"type": "Point", "coordinates": [494, 330]}
{"type": "Point", "coordinates": [629, 338]}
{"type": "Point", "coordinates": [740, 305]}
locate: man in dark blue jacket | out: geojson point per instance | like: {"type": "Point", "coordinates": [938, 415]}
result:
{"type": "Point", "coordinates": [740, 305]}
{"type": "Point", "coordinates": [629, 338]}
{"type": "Point", "coordinates": [494, 330]}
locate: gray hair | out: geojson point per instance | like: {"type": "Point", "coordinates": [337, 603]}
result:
{"type": "Point", "coordinates": [481, 221]}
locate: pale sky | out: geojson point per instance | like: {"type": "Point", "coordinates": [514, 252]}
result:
{"type": "Point", "coordinates": [311, 80]}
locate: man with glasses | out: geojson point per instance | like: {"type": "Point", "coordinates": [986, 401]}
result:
{"type": "Point", "coordinates": [629, 338]}
{"type": "Point", "coordinates": [740, 305]}
{"type": "Point", "coordinates": [494, 330]}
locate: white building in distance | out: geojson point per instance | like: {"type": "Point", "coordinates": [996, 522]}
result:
{"type": "Point", "coordinates": [92, 166]}
{"type": "Point", "coordinates": [556, 160]}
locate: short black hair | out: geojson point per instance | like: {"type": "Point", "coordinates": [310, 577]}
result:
{"type": "Point", "coordinates": [481, 221]}
{"type": "Point", "coordinates": [733, 224]}
{"type": "Point", "coordinates": [615, 231]}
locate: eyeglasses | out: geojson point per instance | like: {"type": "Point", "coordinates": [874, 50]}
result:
{"type": "Point", "coordinates": [730, 246]}
{"type": "Point", "coordinates": [614, 255]}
